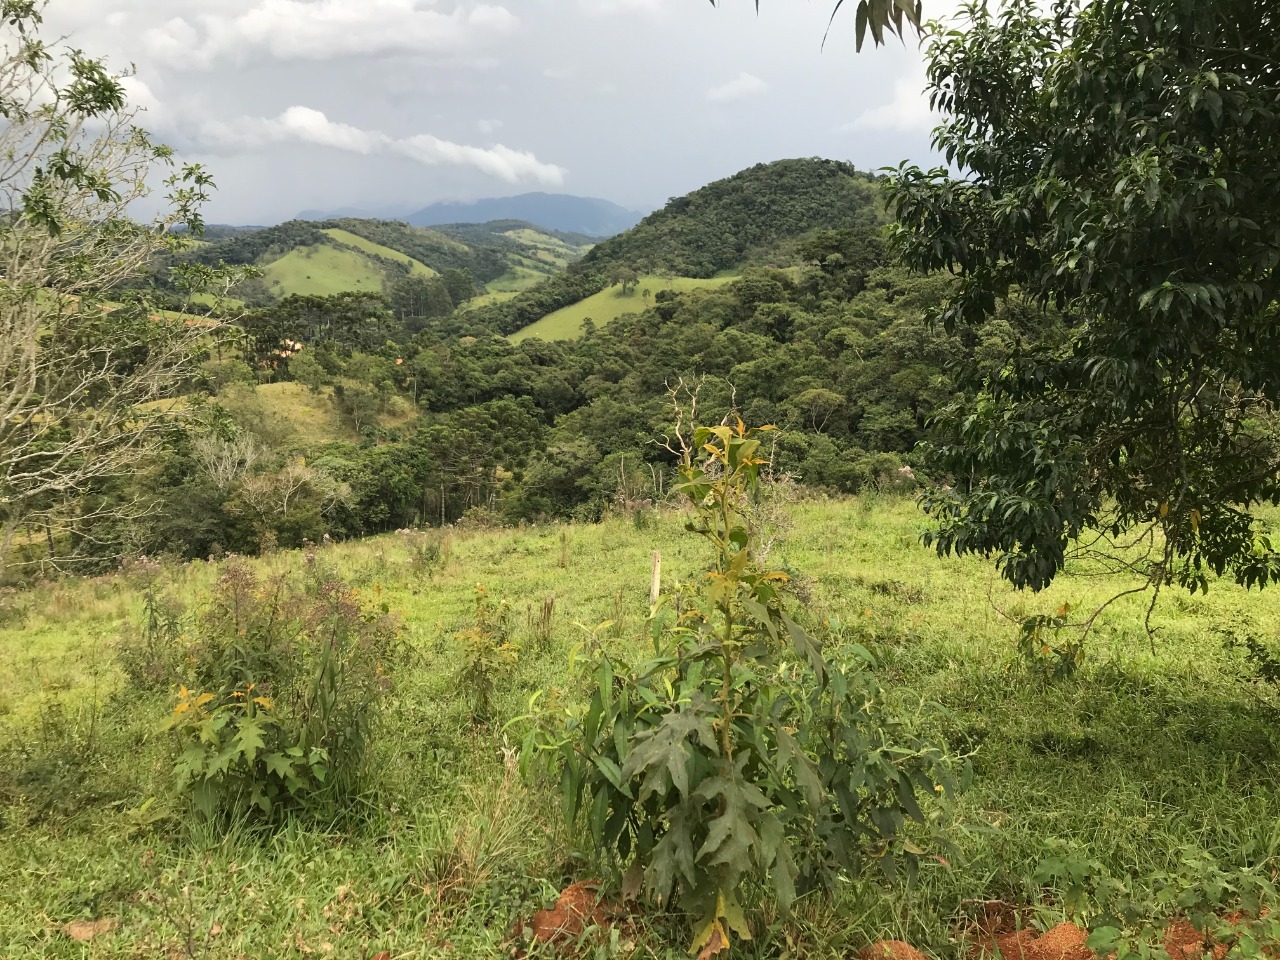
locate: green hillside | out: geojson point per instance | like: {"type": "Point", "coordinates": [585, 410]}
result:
{"type": "Point", "coordinates": [349, 239]}
{"type": "Point", "coordinates": [609, 304]}
{"type": "Point", "coordinates": [354, 255]}
{"type": "Point", "coordinates": [322, 271]}
{"type": "Point", "coordinates": [756, 217]}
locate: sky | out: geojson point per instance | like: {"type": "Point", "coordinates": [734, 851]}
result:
{"type": "Point", "coordinates": [389, 105]}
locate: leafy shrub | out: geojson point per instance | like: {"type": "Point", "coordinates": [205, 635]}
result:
{"type": "Point", "coordinates": [1048, 647]}
{"type": "Point", "coordinates": [151, 655]}
{"type": "Point", "coordinates": [488, 655]}
{"type": "Point", "coordinates": [283, 694]}
{"type": "Point", "coordinates": [428, 552]}
{"type": "Point", "coordinates": [737, 754]}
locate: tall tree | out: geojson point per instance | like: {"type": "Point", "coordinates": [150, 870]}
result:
{"type": "Point", "coordinates": [78, 374]}
{"type": "Point", "coordinates": [1117, 165]}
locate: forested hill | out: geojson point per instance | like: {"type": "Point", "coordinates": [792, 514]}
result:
{"type": "Point", "coordinates": [745, 218]}
{"type": "Point", "coordinates": [753, 217]}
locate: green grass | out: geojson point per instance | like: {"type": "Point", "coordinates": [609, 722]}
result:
{"type": "Point", "coordinates": [546, 250]}
{"type": "Point", "coordinates": [368, 246]}
{"type": "Point", "coordinates": [487, 298]}
{"type": "Point", "coordinates": [516, 279]}
{"type": "Point", "coordinates": [227, 303]}
{"type": "Point", "coordinates": [609, 305]}
{"type": "Point", "coordinates": [322, 271]}
{"type": "Point", "coordinates": [1154, 750]}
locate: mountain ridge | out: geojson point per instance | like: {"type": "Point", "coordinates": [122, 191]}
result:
{"type": "Point", "coordinates": [567, 213]}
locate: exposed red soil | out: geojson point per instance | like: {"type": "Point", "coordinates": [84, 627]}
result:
{"type": "Point", "coordinates": [579, 908]}
{"type": "Point", "coordinates": [1182, 941]}
{"type": "Point", "coordinates": [890, 950]}
{"type": "Point", "coordinates": [998, 936]}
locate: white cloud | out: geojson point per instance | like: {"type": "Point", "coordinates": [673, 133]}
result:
{"type": "Point", "coordinates": [608, 8]}
{"type": "Point", "coordinates": [743, 85]}
{"type": "Point", "coordinates": [489, 126]}
{"type": "Point", "coordinates": [305, 125]}
{"type": "Point", "coordinates": [140, 95]}
{"type": "Point", "coordinates": [906, 112]}
{"type": "Point", "coordinates": [322, 29]}
{"type": "Point", "coordinates": [502, 162]}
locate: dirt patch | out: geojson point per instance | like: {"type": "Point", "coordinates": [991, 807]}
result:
{"type": "Point", "coordinates": [1066, 941]}
{"type": "Point", "coordinates": [994, 935]}
{"type": "Point", "coordinates": [1182, 941]}
{"type": "Point", "coordinates": [579, 908]}
{"type": "Point", "coordinates": [890, 950]}
{"type": "Point", "coordinates": [82, 931]}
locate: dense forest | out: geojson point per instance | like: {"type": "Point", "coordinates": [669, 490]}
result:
{"type": "Point", "coordinates": [752, 217]}
{"type": "Point", "coordinates": [433, 416]}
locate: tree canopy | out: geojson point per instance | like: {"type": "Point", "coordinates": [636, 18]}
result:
{"type": "Point", "coordinates": [1117, 167]}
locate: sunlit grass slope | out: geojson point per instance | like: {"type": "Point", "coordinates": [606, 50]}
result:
{"type": "Point", "coordinates": [1154, 755]}
{"type": "Point", "coordinates": [378, 250]}
{"type": "Point", "coordinates": [608, 305]}
{"type": "Point", "coordinates": [322, 271]}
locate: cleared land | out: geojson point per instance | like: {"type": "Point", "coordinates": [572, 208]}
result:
{"type": "Point", "coordinates": [322, 271]}
{"type": "Point", "coordinates": [516, 279]}
{"type": "Point", "coordinates": [609, 305]}
{"type": "Point", "coordinates": [378, 250]}
{"type": "Point", "coordinates": [1156, 765]}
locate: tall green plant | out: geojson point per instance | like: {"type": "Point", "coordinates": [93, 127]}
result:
{"type": "Point", "coordinates": [737, 753]}
{"type": "Point", "coordinates": [282, 695]}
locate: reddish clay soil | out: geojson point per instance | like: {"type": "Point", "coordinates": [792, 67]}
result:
{"type": "Point", "coordinates": [1182, 941]}
{"type": "Point", "coordinates": [578, 908]}
{"type": "Point", "coordinates": [1066, 941]}
{"type": "Point", "coordinates": [890, 950]}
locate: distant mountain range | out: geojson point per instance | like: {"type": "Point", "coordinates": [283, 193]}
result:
{"type": "Point", "coordinates": [589, 216]}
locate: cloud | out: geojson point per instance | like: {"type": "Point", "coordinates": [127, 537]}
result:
{"type": "Point", "coordinates": [906, 112]}
{"type": "Point", "coordinates": [323, 29]}
{"type": "Point", "coordinates": [743, 85]}
{"type": "Point", "coordinates": [488, 126]}
{"type": "Point", "coordinates": [608, 8]}
{"type": "Point", "coordinates": [308, 126]}
{"type": "Point", "coordinates": [502, 162]}
{"type": "Point", "coordinates": [140, 95]}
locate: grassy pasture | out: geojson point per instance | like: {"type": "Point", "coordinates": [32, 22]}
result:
{"type": "Point", "coordinates": [368, 246]}
{"type": "Point", "coordinates": [322, 271]}
{"type": "Point", "coordinates": [609, 305]}
{"type": "Point", "coordinates": [1154, 754]}
{"type": "Point", "coordinates": [516, 279]}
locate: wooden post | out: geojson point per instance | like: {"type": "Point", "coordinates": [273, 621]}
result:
{"type": "Point", "coordinates": [655, 584]}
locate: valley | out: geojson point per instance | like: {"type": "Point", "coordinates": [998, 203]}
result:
{"type": "Point", "coordinates": [822, 564]}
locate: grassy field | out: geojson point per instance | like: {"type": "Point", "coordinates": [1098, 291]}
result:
{"type": "Point", "coordinates": [322, 271]}
{"type": "Point", "coordinates": [546, 249]}
{"type": "Point", "coordinates": [1154, 761]}
{"type": "Point", "coordinates": [516, 279]}
{"type": "Point", "coordinates": [608, 305]}
{"type": "Point", "coordinates": [378, 250]}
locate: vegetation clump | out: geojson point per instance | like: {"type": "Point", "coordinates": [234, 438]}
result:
{"type": "Point", "coordinates": [739, 753]}
{"type": "Point", "coordinates": [281, 695]}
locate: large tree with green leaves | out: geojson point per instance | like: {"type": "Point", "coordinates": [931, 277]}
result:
{"type": "Point", "coordinates": [85, 361]}
{"type": "Point", "coordinates": [1115, 163]}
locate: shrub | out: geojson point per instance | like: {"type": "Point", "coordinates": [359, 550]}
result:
{"type": "Point", "coordinates": [488, 655]}
{"type": "Point", "coordinates": [151, 655]}
{"type": "Point", "coordinates": [737, 754]}
{"type": "Point", "coordinates": [283, 695]}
